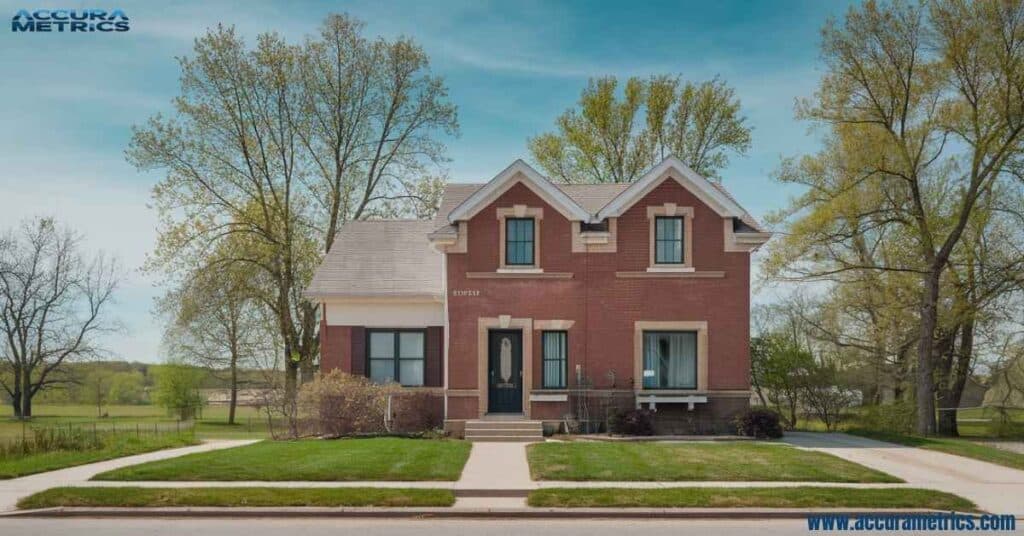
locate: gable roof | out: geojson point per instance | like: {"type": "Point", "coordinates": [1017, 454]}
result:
{"type": "Point", "coordinates": [380, 258]}
{"type": "Point", "coordinates": [519, 171]}
{"type": "Point", "coordinates": [596, 199]}
{"type": "Point", "coordinates": [674, 168]}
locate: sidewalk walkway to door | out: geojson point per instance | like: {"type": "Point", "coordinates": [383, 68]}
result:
{"type": "Point", "coordinates": [495, 475]}
{"type": "Point", "coordinates": [16, 488]}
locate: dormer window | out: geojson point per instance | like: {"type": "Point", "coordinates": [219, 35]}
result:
{"type": "Point", "coordinates": [519, 238]}
{"type": "Point", "coordinates": [668, 240]}
{"type": "Point", "coordinates": [519, 241]}
{"type": "Point", "coordinates": [671, 244]}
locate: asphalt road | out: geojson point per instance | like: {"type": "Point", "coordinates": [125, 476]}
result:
{"type": "Point", "coordinates": [336, 527]}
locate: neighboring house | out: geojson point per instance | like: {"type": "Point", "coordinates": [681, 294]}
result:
{"type": "Point", "coordinates": [521, 292]}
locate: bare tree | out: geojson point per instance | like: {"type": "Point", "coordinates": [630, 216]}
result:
{"type": "Point", "coordinates": [53, 303]}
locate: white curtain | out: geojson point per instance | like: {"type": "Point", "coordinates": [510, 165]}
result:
{"type": "Point", "coordinates": [670, 360]}
{"type": "Point", "coordinates": [554, 360]}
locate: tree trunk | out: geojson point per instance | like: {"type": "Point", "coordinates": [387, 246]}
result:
{"type": "Point", "coordinates": [234, 389]}
{"type": "Point", "coordinates": [953, 385]}
{"type": "Point", "coordinates": [16, 395]}
{"type": "Point", "coordinates": [26, 395]}
{"type": "Point", "coordinates": [925, 345]}
{"type": "Point", "coordinates": [16, 402]}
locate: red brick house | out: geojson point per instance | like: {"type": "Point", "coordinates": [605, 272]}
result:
{"type": "Point", "coordinates": [552, 302]}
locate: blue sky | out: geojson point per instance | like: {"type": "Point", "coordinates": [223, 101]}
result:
{"type": "Point", "coordinates": [511, 67]}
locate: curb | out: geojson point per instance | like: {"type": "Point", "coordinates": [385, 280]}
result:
{"type": "Point", "coordinates": [450, 513]}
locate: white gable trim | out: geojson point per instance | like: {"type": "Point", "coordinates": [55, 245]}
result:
{"type": "Point", "coordinates": [536, 182]}
{"type": "Point", "coordinates": [688, 178]}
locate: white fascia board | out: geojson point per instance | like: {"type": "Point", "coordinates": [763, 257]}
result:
{"type": "Point", "coordinates": [537, 182]}
{"type": "Point", "coordinates": [690, 179]}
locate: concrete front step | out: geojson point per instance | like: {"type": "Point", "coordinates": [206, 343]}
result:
{"type": "Point", "coordinates": [504, 430]}
{"type": "Point", "coordinates": [504, 438]}
{"type": "Point", "coordinates": [504, 425]}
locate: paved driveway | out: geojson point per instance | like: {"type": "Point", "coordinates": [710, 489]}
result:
{"type": "Point", "coordinates": [994, 488]}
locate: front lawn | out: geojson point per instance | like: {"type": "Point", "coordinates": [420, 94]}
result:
{"type": "Point", "coordinates": [152, 497]}
{"type": "Point", "coordinates": [950, 445]}
{"type": "Point", "coordinates": [383, 458]}
{"type": "Point", "coordinates": [799, 497]}
{"type": "Point", "coordinates": [114, 446]}
{"type": "Point", "coordinates": [732, 461]}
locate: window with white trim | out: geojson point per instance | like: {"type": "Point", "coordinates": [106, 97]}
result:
{"type": "Point", "coordinates": [519, 241]}
{"type": "Point", "coordinates": [668, 239]}
{"type": "Point", "coordinates": [670, 360]}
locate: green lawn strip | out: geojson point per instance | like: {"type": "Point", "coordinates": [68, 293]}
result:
{"type": "Point", "coordinates": [959, 447]}
{"type": "Point", "coordinates": [117, 447]}
{"type": "Point", "coordinates": [797, 497]}
{"type": "Point", "coordinates": [383, 458]}
{"type": "Point", "coordinates": [731, 461]}
{"type": "Point", "coordinates": [153, 497]}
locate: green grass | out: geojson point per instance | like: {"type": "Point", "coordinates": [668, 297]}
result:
{"type": "Point", "coordinates": [250, 423]}
{"type": "Point", "coordinates": [949, 445]}
{"type": "Point", "coordinates": [798, 497]}
{"type": "Point", "coordinates": [385, 458]}
{"type": "Point", "coordinates": [732, 461]}
{"type": "Point", "coordinates": [115, 447]}
{"type": "Point", "coordinates": [154, 497]}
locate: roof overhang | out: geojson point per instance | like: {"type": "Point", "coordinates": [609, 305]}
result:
{"type": "Point", "coordinates": [374, 297]}
{"type": "Point", "coordinates": [673, 168]}
{"type": "Point", "coordinates": [518, 172]}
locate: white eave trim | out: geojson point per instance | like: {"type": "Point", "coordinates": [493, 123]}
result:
{"type": "Point", "coordinates": [373, 297]}
{"type": "Point", "coordinates": [535, 181]}
{"type": "Point", "coordinates": [752, 238]}
{"type": "Point", "coordinates": [690, 179]}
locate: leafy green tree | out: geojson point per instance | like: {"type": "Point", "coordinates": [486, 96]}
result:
{"type": "Point", "coordinates": [216, 320]}
{"type": "Point", "coordinates": [177, 389]}
{"type": "Point", "coordinates": [126, 388]}
{"type": "Point", "coordinates": [608, 139]}
{"type": "Point", "coordinates": [775, 358]}
{"type": "Point", "coordinates": [96, 388]}
{"type": "Point", "coordinates": [923, 106]}
{"type": "Point", "coordinates": [275, 146]}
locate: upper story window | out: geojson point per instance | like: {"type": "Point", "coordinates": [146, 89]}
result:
{"type": "Point", "coordinates": [671, 245]}
{"type": "Point", "coordinates": [668, 240]}
{"type": "Point", "coordinates": [555, 347]}
{"type": "Point", "coordinates": [396, 356]}
{"type": "Point", "coordinates": [519, 241]}
{"type": "Point", "coordinates": [670, 360]}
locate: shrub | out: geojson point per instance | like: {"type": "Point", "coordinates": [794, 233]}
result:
{"type": "Point", "coordinates": [416, 412]}
{"type": "Point", "coordinates": [899, 418]}
{"type": "Point", "coordinates": [338, 405]}
{"type": "Point", "coordinates": [634, 422]}
{"type": "Point", "coordinates": [760, 423]}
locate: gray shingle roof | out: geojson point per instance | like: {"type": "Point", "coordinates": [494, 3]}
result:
{"type": "Point", "coordinates": [380, 258]}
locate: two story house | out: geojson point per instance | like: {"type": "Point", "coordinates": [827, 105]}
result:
{"type": "Point", "coordinates": [526, 299]}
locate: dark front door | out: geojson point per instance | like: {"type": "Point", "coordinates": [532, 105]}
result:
{"type": "Point", "coordinates": [505, 372]}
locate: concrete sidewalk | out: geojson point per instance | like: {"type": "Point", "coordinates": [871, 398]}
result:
{"type": "Point", "coordinates": [16, 488]}
{"type": "Point", "coordinates": [992, 487]}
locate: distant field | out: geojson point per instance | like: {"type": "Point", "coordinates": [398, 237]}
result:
{"type": "Point", "coordinates": [249, 422]}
